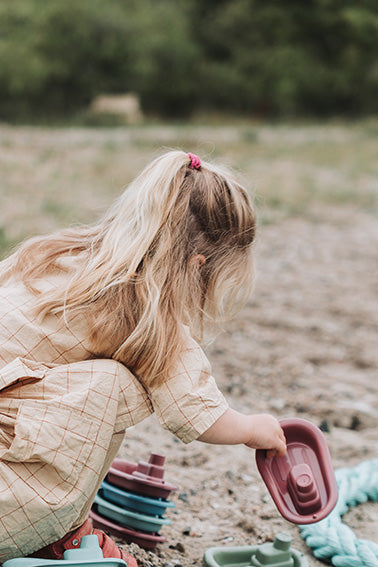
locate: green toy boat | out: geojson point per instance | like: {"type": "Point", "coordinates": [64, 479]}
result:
{"type": "Point", "coordinates": [276, 554]}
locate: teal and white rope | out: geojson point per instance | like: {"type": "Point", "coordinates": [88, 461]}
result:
{"type": "Point", "coordinates": [332, 540]}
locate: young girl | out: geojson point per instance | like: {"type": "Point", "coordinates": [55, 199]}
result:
{"type": "Point", "coordinates": [96, 327]}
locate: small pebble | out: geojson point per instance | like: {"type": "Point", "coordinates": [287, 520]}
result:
{"type": "Point", "coordinates": [324, 426]}
{"type": "Point", "coordinates": [178, 547]}
{"type": "Point", "coordinates": [183, 496]}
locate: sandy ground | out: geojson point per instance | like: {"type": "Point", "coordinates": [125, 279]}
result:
{"type": "Point", "coordinates": [304, 346]}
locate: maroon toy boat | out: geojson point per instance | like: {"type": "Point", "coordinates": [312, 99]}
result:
{"type": "Point", "coordinates": [141, 478]}
{"type": "Point", "coordinates": [143, 539]}
{"type": "Point", "coordinates": [302, 483]}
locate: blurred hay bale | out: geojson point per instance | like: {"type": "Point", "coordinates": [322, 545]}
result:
{"type": "Point", "coordinates": [126, 107]}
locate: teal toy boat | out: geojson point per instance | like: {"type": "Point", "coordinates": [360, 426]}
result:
{"type": "Point", "coordinates": [89, 553]}
{"type": "Point", "coordinates": [135, 502]}
{"type": "Point", "coordinates": [144, 522]}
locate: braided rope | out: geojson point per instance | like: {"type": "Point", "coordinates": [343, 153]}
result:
{"type": "Point", "coordinates": [330, 538]}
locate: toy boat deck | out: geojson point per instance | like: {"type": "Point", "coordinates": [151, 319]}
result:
{"type": "Point", "coordinates": [141, 478]}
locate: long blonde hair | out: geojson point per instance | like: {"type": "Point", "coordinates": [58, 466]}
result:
{"type": "Point", "coordinates": [136, 283]}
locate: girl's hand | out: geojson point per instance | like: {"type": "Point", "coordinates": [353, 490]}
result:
{"type": "Point", "coordinates": [259, 431]}
{"type": "Point", "coordinates": [266, 433]}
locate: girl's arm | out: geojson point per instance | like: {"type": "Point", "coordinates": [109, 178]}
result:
{"type": "Point", "coordinates": [259, 431]}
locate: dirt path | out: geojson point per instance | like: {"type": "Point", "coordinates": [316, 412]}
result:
{"type": "Point", "coordinates": [305, 346]}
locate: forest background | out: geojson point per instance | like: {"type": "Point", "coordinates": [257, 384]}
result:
{"type": "Point", "coordinates": [265, 59]}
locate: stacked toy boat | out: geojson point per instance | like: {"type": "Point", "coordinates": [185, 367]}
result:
{"type": "Point", "coordinates": [133, 500]}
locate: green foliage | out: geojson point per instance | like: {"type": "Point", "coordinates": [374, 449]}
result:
{"type": "Point", "coordinates": [292, 57]}
{"type": "Point", "coordinates": [164, 57]}
{"type": "Point", "coordinates": [56, 55]}
{"type": "Point", "coordinates": [253, 57]}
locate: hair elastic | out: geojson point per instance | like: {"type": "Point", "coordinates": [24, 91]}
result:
{"type": "Point", "coordinates": [195, 162]}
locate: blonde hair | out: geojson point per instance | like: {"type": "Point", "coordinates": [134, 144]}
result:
{"type": "Point", "coordinates": [138, 284]}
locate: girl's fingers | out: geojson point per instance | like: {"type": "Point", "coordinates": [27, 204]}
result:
{"type": "Point", "coordinates": [278, 451]}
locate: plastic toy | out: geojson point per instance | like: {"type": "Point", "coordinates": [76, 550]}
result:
{"type": "Point", "coordinates": [143, 539]}
{"type": "Point", "coordinates": [277, 554]}
{"type": "Point", "coordinates": [89, 553]}
{"type": "Point", "coordinates": [135, 502]}
{"type": "Point", "coordinates": [132, 501]}
{"type": "Point", "coordinates": [302, 483]}
{"type": "Point", "coordinates": [125, 517]}
{"type": "Point", "coordinates": [141, 478]}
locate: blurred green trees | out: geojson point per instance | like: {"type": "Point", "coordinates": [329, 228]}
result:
{"type": "Point", "coordinates": [250, 57]}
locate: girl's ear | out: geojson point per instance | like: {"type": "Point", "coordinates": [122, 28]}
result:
{"type": "Point", "coordinates": [197, 261]}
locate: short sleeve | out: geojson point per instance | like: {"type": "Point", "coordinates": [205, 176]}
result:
{"type": "Point", "coordinates": [189, 401]}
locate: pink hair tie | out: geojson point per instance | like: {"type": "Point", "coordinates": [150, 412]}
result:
{"type": "Point", "coordinates": [195, 162]}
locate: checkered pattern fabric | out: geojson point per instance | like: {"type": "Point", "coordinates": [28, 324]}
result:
{"type": "Point", "coordinates": [63, 415]}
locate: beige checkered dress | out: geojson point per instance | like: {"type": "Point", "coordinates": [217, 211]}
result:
{"type": "Point", "coordinates": [63, 415]}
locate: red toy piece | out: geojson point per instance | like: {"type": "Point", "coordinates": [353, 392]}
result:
{"type": "Point", "coordinates": [302, 483]}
